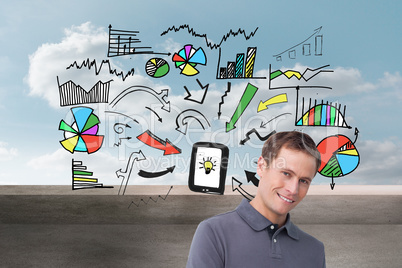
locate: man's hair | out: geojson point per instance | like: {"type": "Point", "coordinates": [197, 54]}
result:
{"type": "Point", "coordinates": [293, 140]}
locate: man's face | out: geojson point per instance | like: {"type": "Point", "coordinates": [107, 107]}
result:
{"type": "Point", "coordinates": [284, 183]}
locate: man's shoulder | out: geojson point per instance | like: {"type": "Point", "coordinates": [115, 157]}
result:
{"type": "Point", "coordinates": [307, 238]}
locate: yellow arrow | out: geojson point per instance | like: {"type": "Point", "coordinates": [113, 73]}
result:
{"type": "Point", "coordinates": [274, 100]}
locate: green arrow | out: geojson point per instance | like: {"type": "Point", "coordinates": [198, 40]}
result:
{"type": "Point", "coordinates": [248, 95]}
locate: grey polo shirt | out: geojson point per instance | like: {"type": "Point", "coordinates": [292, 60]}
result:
{"type": "Point", "coordinates": [240, 238]}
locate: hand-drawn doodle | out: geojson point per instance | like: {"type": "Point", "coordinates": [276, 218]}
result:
{"type": "Point", "coordinates": [281, 98]}
{"type": "Point", "coordinates": [123, 42]}
{"type": "Point", "coordinates": [209, 44]}
{"type": "Point", "coordinates": [247, 96]}
{"type": "Point", "coordinates": [236, 186]}
{"type": "Point", "coordinates": [134, 156]}
{"type": "Point", "coordinates": [147, 174]}
{"type": "Point", "coordinates": [205, 88]}
{"type": "Point", "coordinates": [252, 178]}
{"type": "Point", "coordinates": [89, 64]}
{"type": "Point", "coordinates": [241, 68]}
{"type": "Point", "coordinates": [305, 46]}
{"type": "Point", "coordinates": [339, 156]}
{"type": "Point", "coordinates": [323, 114]}
{"type": "Point", "coordinates": [208, 167]}
{"type": "Point", "coordinates": [262, 138]}
{"type": "Point", "coordinates": [289, 77]}
{"type": "Point", "coordinates": [183, 118]}
{"type": "Point", "coordinates": [150, 199]}
{"type": "Point", "coordinates": [81, 135]}
{"type": "Point", "coordinates": [113, 112]}
{"type": "Point", "coordinates": [155, 113]}
{"type": "Point", "coordinates": [152, 140]}
{"type": "Point", "coordinates": [119, 128]}
{"type": "Point", "coordinates": [82, 179]}
{"type": "Point", "coordinates": [222, 101]}
{"type": "Point", "coordinates": [121, 140]}
{"type": "Point", "coordinates": [160, 96]}
{"type": "Point", "coordinates": [157, 67]}
{"type": "Point", "coordinates": [188, 58]}
{"type": "Point", "coordinates": [72, 94]}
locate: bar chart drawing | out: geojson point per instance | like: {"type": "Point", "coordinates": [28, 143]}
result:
{"type": "Point", "coordinates": [241, 68]}
{"type": "Point", "coordinates": [123, 42]}
{"type": "Point", "coordinates": [324, 114]}
{"type": "Point", "coordinates": [83, 179]}
{"type": "Point", "coordinates": [304, 47]}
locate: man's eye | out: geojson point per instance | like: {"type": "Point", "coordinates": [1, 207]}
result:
{"type": "Point", "coordinates": [286, 173]}
{"type": "Point", "coordinates": [304, 181]}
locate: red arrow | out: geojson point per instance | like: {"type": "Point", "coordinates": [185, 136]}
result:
{"type": "Point", "coordinates": [151, 140]}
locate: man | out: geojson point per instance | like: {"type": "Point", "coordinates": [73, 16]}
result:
{"type": "Point", "coordinates": [259, 233]}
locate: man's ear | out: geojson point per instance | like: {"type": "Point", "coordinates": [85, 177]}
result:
{"type": "Point", "coordinates": [260, 166]}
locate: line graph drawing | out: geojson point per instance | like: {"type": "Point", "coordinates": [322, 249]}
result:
{"type": "Point", "coordinates": [150, 199]}
{"type": "Point", "coordinates": [320, 114]}
{"type": "Point", "coordinates": [305, 47]}
{"type": "Point", "coordinates": [209, 44]}
{"type": "Point", "coordinates": [294, 78]}
{"type": "Point", "coordinates": [204, 88]}
{"type": "Point", "coordinates": [184, 118]}
{"type": "Point", "coordinates": [82, 178]}
{"type": "Point", "coordinates": [241, 68]}
{"type": "Point", "coordinates": [125, 175]}
{"type": "Point", "coordinates": [72, 94]}
{"type": "Point", "coordinates": [160, 96]}
{"type": "Point", "coordinates": [93, 64]}
{"type": "Point", "coordinates": [124, 42]}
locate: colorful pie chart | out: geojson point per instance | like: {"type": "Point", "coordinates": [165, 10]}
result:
{"type": "Point", "coordinates": [157, 67]}
{"type": "Point", "coordinates": [188, 58]}
{"type": "Point", "coordinates": [81, 135]}
{"type": "Point", "coordinates": [339, 156]}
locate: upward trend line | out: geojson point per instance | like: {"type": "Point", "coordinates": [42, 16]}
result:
{"type": "Point", "coordinates": [151, 199]}
{"type": "Point", "coordinates": [209, 44]}
{"type": "Point", "coordinates": [89, 64]}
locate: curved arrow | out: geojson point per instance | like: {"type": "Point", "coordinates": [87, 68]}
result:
{"type": "Point", "coordinates": [182, 120]}
{"type": "Point", "coordinates": [152, 140]}
{"type": "Point", "coordinates": [241, 191]}
{"type": "Point", "coordinates": [147, 174]}
{"type": "Point", "coordinates": [127, 172]}
{"type": "Point", "coordinates": [262, 138]}
{"type": "Point", "coordinates": [274, 100]}
{"type": "Point", "coordinates": [160, 96]}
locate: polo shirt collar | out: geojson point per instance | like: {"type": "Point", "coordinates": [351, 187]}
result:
{"type": "Point", "coordinates": [258, 222]}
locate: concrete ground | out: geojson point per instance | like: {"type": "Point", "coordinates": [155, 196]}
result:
{"type": "Point", "coordinates": [53, 226]}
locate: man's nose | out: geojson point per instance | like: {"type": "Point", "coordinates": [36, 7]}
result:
{"type": "Point", "coordinates": [292, 186]}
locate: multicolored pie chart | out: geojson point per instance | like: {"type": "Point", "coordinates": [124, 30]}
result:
{"type": "Point", "coordinates": [81, 135]}
{"type": "Point", "coordinates": [188, 58]}
{"type": "Point", "coordinates": [157, 67]}
{"type": "Point", "coordinates": [339, 156]}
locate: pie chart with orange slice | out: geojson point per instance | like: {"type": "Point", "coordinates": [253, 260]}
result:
{"type": "Point", "coordinates": [81, 135]}
{"type": "Point", "coordinates": [188, 58]}
{"type": "Point", "coordinates": [339, 156]}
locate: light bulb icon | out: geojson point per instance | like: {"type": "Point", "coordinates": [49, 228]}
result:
{"type": "Point", "coordinates": [207, 165]}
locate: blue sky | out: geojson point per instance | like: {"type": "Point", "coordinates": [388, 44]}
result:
{"type": "Point", "coordinates": [361, 43]}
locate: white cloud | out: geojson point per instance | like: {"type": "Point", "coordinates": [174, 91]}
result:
{"type": "Point", "coordinates": [7, 153]}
